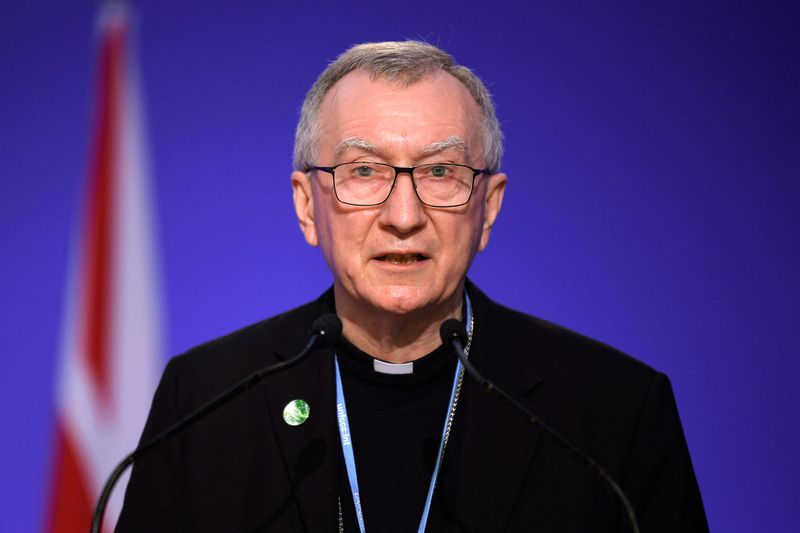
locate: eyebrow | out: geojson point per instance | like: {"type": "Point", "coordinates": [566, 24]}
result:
{"type": "Point", "coordinates": [453, 142]}
{"type": "Point", "coordinates": [356, 142]}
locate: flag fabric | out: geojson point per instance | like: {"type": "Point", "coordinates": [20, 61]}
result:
{"type": "Point", "coordinates": [111, 348]}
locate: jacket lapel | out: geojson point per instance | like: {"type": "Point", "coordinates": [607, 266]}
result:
{"type": "Point", "coordinates": [309, 450]}
{"type": "Point", "coordinates": [496, 444]}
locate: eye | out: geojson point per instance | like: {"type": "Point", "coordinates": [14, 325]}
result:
{"type": "Point", "coordinates": [439, 171]}
{"type": "Point", "coordinates": [363, 171]}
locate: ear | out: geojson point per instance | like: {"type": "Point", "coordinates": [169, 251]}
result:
{"type": "Point", "coordinates": [304, 206]}
{"type": "Point", "coordinates": [495, 188]}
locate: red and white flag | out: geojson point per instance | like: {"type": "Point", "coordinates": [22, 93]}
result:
{"type": "Point", "coordinates": [111, 349]}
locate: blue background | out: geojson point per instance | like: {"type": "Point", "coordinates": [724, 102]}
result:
{"type": "Point", "coordinates": [653, 160]}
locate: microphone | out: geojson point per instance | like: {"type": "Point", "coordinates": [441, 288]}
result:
{"type": "Point", "coordinates": [453, 332]}
{"type": "Point", "coordinates": [325, 331]}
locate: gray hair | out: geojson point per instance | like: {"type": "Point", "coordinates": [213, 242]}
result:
{"type": "Point", "coordinates": [404, 63]}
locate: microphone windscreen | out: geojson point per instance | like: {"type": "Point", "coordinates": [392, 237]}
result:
{"type": "Point", "coordinates": [328, 328]}
{"type": "Point", "coordinates": [453, 329]}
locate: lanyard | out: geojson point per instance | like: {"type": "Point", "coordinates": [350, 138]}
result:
{"type": "Point", "coordinates": [347, 439]}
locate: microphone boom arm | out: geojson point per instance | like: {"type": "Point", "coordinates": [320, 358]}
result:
{"type": "Point", "coordinates": [591, 464]}
{"type": "Point", "coordinates": [325, 331]}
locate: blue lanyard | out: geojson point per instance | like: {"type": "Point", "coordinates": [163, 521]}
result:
{"type": "Point", "coordinates": [347, 441]}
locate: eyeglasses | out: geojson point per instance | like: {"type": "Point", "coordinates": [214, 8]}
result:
{"type": "Point", "coordinates": [364, 183]}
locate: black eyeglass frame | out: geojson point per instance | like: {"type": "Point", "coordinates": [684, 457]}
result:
{"type": "Point", "coordinates": [403, 170]}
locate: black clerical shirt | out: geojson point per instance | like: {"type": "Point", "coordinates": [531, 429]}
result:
{"type": "Point", "coordinates": [396, 423]}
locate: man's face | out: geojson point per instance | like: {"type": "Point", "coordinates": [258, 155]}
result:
{"type": "Point", "coordinates": [400, 256]}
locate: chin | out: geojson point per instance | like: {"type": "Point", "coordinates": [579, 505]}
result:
{"type": "Point", "coordinates": [401, 299]}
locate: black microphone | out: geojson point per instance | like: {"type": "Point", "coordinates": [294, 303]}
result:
{"type": "Point", "coordinates": [453, 332]}
{"type": "Point", "coordinates": [325, 331]}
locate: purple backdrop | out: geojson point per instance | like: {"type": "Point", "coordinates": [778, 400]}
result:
{"type": "Point", "coordinates": [653, 162]}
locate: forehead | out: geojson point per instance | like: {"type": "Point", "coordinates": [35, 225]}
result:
{"type": "Point", "coordinates": [400, 121]}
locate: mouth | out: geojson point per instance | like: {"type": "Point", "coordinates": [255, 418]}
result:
{"type": "Point", "coordinates": [402, 259]}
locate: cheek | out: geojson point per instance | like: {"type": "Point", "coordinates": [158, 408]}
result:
{"type": "Point", "coordinates": [460, 239]}
{"type": "Point", "coordinates": [473, 226]}
{"type": "Point", "coordinates": [479, 233]}
{"type": "Point", "coordinates": [342, 238]}
{"type": "Point", "coordinates": [323, 223]}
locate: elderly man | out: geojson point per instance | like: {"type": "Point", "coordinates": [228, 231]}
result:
{"type": "Point", "coordinates": [397, 155]}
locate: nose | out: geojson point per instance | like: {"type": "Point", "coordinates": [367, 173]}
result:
{"type": "Point", "coordinates": [403, 210]}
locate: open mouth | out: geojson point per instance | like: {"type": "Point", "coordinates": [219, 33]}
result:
{"type": "Point", "coordinates": [402, 259]}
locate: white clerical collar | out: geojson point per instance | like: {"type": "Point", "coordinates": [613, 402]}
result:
{"type": "Point", "coordinates": [392, 368]}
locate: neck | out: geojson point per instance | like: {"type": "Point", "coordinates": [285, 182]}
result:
{"type": "Point", "coordinates": [395, 337]}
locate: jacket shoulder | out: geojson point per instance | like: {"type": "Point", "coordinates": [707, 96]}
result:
{"type": "Point", "coordinates": [561, 358]}
{"type": "Point", "coordinates": [251, 347]}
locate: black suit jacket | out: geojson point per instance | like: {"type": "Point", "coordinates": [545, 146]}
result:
{"type": "Point", "coordinates": [244, 469]}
